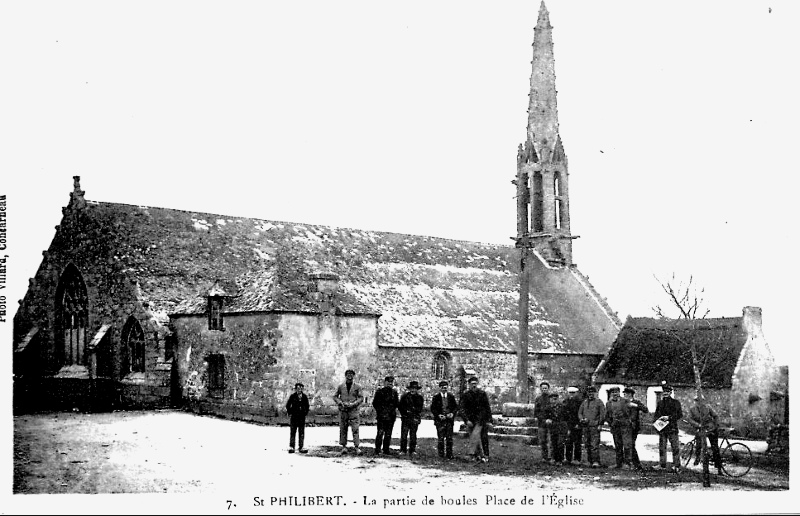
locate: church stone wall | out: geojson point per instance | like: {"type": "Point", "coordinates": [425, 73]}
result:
{"type": "Point", "coordinates": [497, 371]}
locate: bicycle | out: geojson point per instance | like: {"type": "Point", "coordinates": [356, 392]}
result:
{"type": "Point", "coordinates": [737, 459]}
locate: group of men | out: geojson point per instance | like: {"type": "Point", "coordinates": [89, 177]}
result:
{"type": "Point", "coordinates": [563, 426]}
{"type": "Point", "coordinates": [387, 403]}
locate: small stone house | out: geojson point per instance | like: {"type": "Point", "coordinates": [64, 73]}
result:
{"type": "Point", "coordinates": [738, 371]}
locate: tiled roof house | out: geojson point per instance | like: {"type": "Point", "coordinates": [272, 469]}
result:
{"type": "Point", "coordinates": [737, 369]}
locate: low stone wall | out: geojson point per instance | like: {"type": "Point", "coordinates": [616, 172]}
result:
{"type": "Point", "coordinates": [778, 440]}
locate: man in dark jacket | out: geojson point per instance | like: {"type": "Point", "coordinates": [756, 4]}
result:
{"type": "Point", "coordinates": [541, 410]}
{"type": "Point", "coordinates": [411, 405]}
{"type": "Point", "coordinates": [477, 414]}
{"type": "Point", "coordinates": [706, 422]}
{"type": "Point", "coordinates": [385, 403]}
{"type": "Point", "coordinates": [558, 428]}
{"type": "Point", "coordinates": [574, 437]}
{"type": "Point", "coordinates": [619, 421]}
{"type": "Point", "coordinates": [635, 407]}
{"type": "Point", "coordinates": [297, 408]}
{"type": "Point", "coordinates": [669, 411]}
{"type": "Point", "coordinates": [444, 408]}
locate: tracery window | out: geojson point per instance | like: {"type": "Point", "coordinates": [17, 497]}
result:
{"type": "Point", "coordinates": [71, 317]}
{"type": "Point", "coordinates": [441, 366]}
{"type": "Point", "coordinates": [133, 345]}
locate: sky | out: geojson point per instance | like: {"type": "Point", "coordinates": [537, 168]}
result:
{"type": "Point", "coordinates": [679, 121]}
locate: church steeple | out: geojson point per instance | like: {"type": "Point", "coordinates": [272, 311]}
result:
{"type": "Point", "coordinates": [542, 163]}
{"type": "Point", "coordinates": [542, 106]}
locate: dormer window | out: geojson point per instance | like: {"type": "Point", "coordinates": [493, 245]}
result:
{"type": "Point", "coordinates": [215, 313]}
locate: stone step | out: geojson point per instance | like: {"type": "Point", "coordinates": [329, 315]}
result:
{"type": "Point", "coordinates": [513, 421]}
{"type": "Point", "coordinates": [525, 439]}
{"type": "Point", "coordinates": [514, 430]}
{"type": "Point", "coordinates": [517, 409]}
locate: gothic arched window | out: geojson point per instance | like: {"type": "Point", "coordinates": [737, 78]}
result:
{"type": "Point", "coordinates": [133, 346]}
{"type": "Point", "coordinates": [441, 366]}
{"type": "Point", "coordinates": [557, 194]}
{"type": "Point", "coordinates": [537, 201]}
{"type": "Point", "coordinates": [72, 309]}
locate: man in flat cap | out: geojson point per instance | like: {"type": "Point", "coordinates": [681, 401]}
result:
{"type": "Point", "coordinates": [444, 408]}
{"type": "Point", "coordinates": [411, 406]}
{"type": "Point", "coordinates": [558, 428]}
{"type": "Point", "coordinates": [619, 420]}
{"type": "Point", "coordinates": [349, 397]}
{"type": "Point", "coordinates": [669, 411]}
{"type": "Point", "coordinates": [542, 414]}
{"type": "Point", "coordinates": [706, 422]}
{"type": "Point", "coordinates": [591, 415]}
{"type": "Point", "coordinates": [635, 408]}
{"type": "Point", "coordinates": [574, 438]}
{"type": "Point", "coordinates": [477, 414]}
{"type": "Point", "coordinates": [385, 403]}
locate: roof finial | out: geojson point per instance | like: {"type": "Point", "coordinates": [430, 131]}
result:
{"type": "Point", "coordinates": [76, 199]}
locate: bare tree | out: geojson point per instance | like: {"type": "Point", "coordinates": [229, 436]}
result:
{"type": "Point", "coordinates": [687, 299]}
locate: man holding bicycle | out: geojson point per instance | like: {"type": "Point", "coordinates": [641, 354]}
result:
{"type": "Point", "coordinates": [704, 419]}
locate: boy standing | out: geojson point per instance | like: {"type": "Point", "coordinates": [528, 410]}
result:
{"type": "Point", "coordinates": [297, 408]}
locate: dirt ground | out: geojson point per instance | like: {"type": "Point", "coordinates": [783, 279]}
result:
{"type": "Point", "coordinates": [180, 453]}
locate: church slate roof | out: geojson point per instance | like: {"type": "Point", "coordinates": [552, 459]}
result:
{"type": "Point", "coordinates": [649, 350]}
{"type": "Point", "coordinates": [427, 291]}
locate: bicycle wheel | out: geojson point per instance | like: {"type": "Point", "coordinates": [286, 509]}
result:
{"type": "Point", "coordinates": [736, 459]}
{"type": "Point", "coordinates": [687, 453]}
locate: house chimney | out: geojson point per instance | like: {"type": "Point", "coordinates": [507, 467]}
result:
{"type": "Point", "coordinates": [325, 285]}
{"type": "Point", "coordinates": [751, 321]}
{"type": "Point", "coordinates": [325, 282]}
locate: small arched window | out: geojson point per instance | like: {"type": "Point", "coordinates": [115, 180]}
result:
{"type": "Point", "coordinates": [133, 344]}
{"type": "Point", "coordinates": [215, 313]}
{"type": "Point", "coordinates": [441, 366]}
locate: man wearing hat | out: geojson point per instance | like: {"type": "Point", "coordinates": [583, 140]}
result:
{"type": "Point", "coordinates": [411, 405]}
{"type": "Point", "coordinates": [558, 428]}
{"type": "Point", "coordinates": [705, 421]}
{"type": "Point", "coordinates": [349, 397]}
{"type": "Point", "coordinates": [591, 415]}
{"type": "Point", "coordinates": [443, 408]}
{"type": "Point", "coordinates": [635, 407]}
{"type": "Point", "coordinates": [619, 420]}
{"type": "Point", "coordinates": [385, 403]}
{"type": "Point", "coordinates": [477, 414]}
{"type": "Point", "coordinates": [669, 410]}
{"type": "Point", "coordinates": [574, 437]}
{"type": "Point", "coordinates": [542, 413]}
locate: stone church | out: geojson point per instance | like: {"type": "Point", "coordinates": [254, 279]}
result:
{"type": "Point", "coordinates": [137, 306]}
